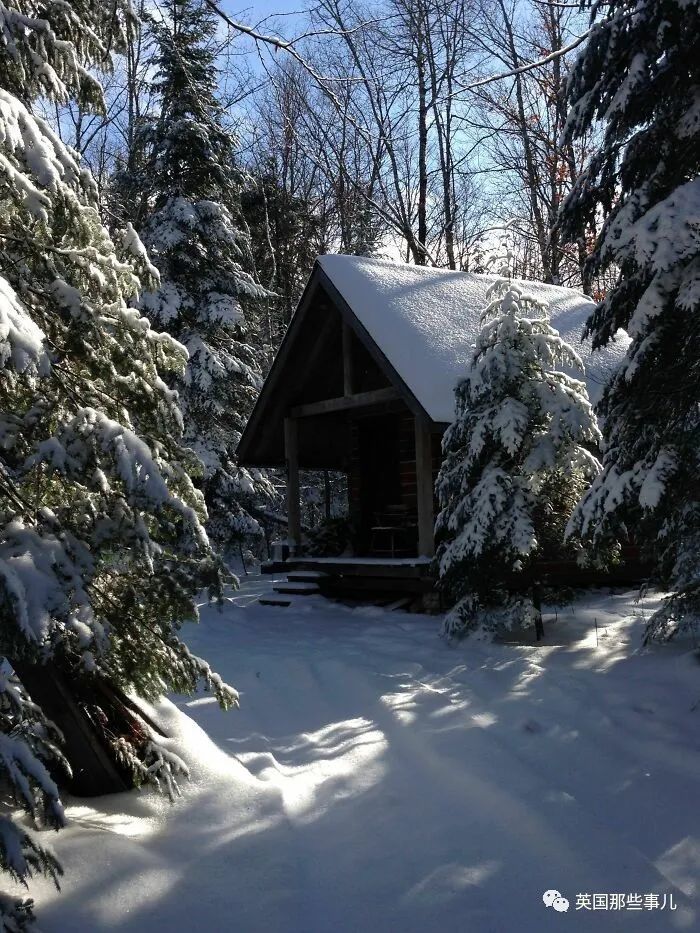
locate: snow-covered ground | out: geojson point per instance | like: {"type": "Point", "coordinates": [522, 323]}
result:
{"type": "Point", "coordinates": [379, 779]}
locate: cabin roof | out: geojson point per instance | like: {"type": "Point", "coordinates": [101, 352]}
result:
{"type": "Point", "coordinates": [418, 325]}
{"type": "Point", "coordinates": [426, 321]}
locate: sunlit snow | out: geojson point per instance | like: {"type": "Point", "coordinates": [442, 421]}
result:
{"type": "Point", "coordinates": [377, 778]}
{"type": "Point", "coordinates": [426, 322]}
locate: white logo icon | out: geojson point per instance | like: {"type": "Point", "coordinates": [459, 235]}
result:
{"type": "Point", "coordinates": [554, 899]}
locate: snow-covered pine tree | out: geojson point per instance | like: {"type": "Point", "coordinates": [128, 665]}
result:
{"type": "Point", "coordinates": [102, 547]}
{"type": "Point", "coordinates": [515, 460]}
{"type": "Point", "coordinates": [194, 235]}
{"type": "Point", "coordinates": [639, 75]}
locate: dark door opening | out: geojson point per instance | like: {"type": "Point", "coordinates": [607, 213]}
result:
{"type": "Point", "coordinates": [380, 473]}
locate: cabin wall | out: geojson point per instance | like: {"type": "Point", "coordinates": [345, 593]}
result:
{"type": "Point", "coordinates": [354, 473]}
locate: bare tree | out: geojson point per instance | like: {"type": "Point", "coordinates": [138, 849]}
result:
{"type": "Point", "coordinates": [106, 142]}
{"type": "Point", "coordinates": [403, 60]}
{"type": "Point", "coordinates": [532, 169]}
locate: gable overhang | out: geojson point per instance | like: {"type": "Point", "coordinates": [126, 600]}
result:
{"type": "Point", "coordinates": [261, 443]}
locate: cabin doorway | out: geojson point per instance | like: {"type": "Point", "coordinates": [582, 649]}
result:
{"type": "Point", "coordinates": [380, 473]}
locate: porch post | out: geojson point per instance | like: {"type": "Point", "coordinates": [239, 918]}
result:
{"type": "Point", "coordinates": [291, 453]}
{"type": "Point", "coordinates": [424, 488]}
{"type": "Point", "coordinates": [347, 360]}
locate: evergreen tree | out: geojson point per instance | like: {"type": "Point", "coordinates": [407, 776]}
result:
{"type": "Point", "coordinates": [515, 459]}
{"type": "Point", "coordinates": [640, 75]}
{"type": "Point", "coordinates": [102, 548]}
{"type": "Point", "coordinates": [194, 237]}
{"type": "Point", "coordinates": [286, 237]}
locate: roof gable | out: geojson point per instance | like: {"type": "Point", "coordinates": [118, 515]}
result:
{"type": "Point", "coordinates": [308, 368]}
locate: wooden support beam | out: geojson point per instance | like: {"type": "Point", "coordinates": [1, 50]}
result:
{"type": "Point", "coordinates": [346, 402]}
{"type": "Point", "coordinates": [348, 379]}
{"type": "Point", "coordinates": [424, 488]}
{"type": "Point", "coordinates": [291, 454]}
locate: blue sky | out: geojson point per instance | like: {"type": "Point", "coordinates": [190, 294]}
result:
{"type": "Point", "coordinates": [253, 13]}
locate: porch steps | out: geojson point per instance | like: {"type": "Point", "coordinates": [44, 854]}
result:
{"type": "Point", "coordinates": [296, 589]}
{"type": "Point", "coordinates": [274, 601]}
{"type": "Point", "coordinates": [298, 583]}
{"type": "Point", "coordinates": [306, 576]}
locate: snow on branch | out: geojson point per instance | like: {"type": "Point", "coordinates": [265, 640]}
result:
{"type": "Point", "coordinates": [21, 340]}
{"type": "Point", "coordinates": [90, 439]}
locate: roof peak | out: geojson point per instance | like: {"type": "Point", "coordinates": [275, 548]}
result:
{"type": "Point", "coordinates": [328, 260]}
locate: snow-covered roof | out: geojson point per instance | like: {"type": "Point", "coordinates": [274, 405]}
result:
{"type": "Point", "coordinates": [426, 320]}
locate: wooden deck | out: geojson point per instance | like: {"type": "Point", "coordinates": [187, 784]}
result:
{"type": "Point", "coordinates": [383, 579]}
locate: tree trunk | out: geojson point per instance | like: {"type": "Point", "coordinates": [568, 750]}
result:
{"type": "Point", "coordinates": [537, 603]}
{"type": "Point", "coordinates": [532, 172]}
{"type": "Point", "coordinates": [94, 770]}
{"type": "Point", "coordinates": [422, 149]}
{"type": "Point", "coordinates": [327, 494]}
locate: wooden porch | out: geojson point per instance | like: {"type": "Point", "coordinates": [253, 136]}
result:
{"type": "Point", "coordinates": [403, 582]}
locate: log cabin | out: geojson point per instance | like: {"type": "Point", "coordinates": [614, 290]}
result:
{"type": "Point", "coordinates": [363, 383]}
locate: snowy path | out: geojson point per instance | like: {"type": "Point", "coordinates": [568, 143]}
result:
{"type": "Point", "coordinates": [377, 779]}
